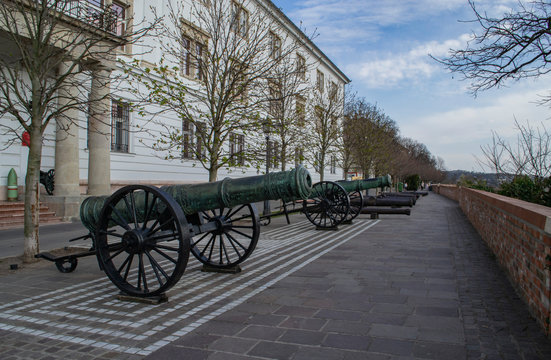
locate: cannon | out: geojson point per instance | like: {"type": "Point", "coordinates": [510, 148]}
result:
{"type": "Point", "coordinates": [355, 189]}
{"type": "Point", "coordinates": [47, 179]}
{"type": "Point", "coordinates": [327, 206]}
{"type": "Point", "coordinates": [387, 201]}
{"type": "Point", "coordinates": [400, 195]}
{"type": "Point", "coordinates": [375, 211]}
{"type": "Point", "coordinates": [142, 235]}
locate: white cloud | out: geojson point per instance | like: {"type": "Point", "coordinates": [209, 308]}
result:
{"type": "Point", "coordinates": [363, 20]}
{"type": "Point", "coordinates": [393, 69]}
{"type": "Point", "coordinates": [456, 135]}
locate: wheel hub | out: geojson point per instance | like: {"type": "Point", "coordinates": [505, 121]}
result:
{"type": "Point", "coordinates": [222, 225]}
{"type": "Point", "coordinates": [133, 241]}
{"type": "Point", "coordinates": [325, 204]}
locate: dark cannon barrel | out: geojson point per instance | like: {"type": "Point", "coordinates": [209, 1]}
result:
{"type": "Point", "coordinates": [403, 193]}
{"type": "Point", "coordinates": [388, 201]}
{"type": "Point", "coordinates": [193, 198]}
{"type": "Point", "coordinates": [360, 185]}
{"type": "Point", "coordinates": [385, 210]}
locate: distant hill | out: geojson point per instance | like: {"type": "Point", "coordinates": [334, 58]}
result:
{"type": "Point", "coordinates": [452, 177]}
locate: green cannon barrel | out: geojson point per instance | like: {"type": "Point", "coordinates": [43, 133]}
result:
{"type": "Point", "coordinates": [227, 193]}
{"type": "Point", "coordinates": [360, 185]}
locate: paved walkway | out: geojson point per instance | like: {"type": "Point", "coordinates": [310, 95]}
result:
{"type": "Point", "coordinates": [417, 287]}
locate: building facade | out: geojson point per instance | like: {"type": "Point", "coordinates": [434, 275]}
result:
{"type": "Point", "coordinates": [114, 144]}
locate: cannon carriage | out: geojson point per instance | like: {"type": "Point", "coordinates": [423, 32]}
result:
{"type": "Point", "coordinates": [142, 235]}
{"type": "Point", "coordinates": [355, 191]}
{"type": "Point", "coordinates": [327, 206]}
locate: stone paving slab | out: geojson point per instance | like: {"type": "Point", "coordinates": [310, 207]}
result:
{"type": "Point", "coordinates": [417, 287]}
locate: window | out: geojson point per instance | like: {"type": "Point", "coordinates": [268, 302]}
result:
{"type": "Point", "coordinates": [199, 59]}
{"type": "Point", "coordinates": [120, 124]}
{"type": "Point", "coordinates": [320, 80]}
{"type": "Point", "coordinates": [243, 22]}
{"type": "Point", "coordinates": [240, 20]}
{"type": "Point", "coordinates": [276, 102]}
{"type": "Point", "coordinates": [187, 138]}
{"type": "Point", "coordinates": [300, 108]}
{"type": "Point", "coordinates": [334, 90]}
{"type": "Point", "coordinates": [275, 46]}
{"type": "Point", "coordinates": [186, 56]}
{"type": "Point", "coordinates": [301, 66]}
{"type": "Point", "coordinates": [319, 117]}
{"type": "Point", "coordinates": [237, 148]}
{"type": "Point", "coordinates": [333, 167]}
{"type": "Point", "coordinates": [119, 11]}
{"type": "Point", "coordinates": [193, 43]}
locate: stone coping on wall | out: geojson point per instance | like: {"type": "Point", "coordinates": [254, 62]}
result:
{"type": "Point", "coordinates": [534, 214]}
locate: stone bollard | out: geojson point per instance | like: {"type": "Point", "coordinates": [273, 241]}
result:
{"type": "Point", "coordinates": [12, 185]}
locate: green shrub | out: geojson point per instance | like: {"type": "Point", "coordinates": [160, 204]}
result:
{"type": "Point", "coordinates": [474, 183]}
{"type": "Point", "coordinates": [525, 188]}
{"type": "Point", "coordinates": [413, 181]}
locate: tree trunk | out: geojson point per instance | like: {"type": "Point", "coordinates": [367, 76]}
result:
{"type": "Point", "coordinates": [213, 174]}
{"type": "Point", "coordinates": [32, 193]}
{"type": "Point", "coordinates": [322, 166]}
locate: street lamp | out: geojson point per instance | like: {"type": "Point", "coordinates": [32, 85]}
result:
{"type": "Point", "coordinates": [266, 127]}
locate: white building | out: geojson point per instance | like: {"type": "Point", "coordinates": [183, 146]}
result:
{"type": "Point", "coordinates": [87, 164]}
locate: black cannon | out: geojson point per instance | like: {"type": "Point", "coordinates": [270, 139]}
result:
{"type": "Point", "coordinates": [400, 195]}
{"type": "Point", "coordinates": [47, 179]}
{"type": "Point", "coordinates": [355, 189]}
{"type": "Point", "coordinates": [375, 211]}
{"type": "Point", "coordinates": [388, 201]}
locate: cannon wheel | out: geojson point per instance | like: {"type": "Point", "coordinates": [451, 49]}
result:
{"type": "Point", "coordinates": [142, 240]}
{"type": "Point", "coordinates": [356, 204]}
{"type": "Point", "coordinates": [233, 240]}
{"type": "Point", "coordinates": [328, 205]}
{"type": "Point", "coordinates": [50, 184]}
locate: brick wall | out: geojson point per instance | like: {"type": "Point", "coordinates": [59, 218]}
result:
{"type": "Point", "coordinates": [519, 234]}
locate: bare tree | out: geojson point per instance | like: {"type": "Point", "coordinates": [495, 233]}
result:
{"type": "Point", "coordinates": [326, 110]}
{"type": "Point", "coordinates": [210, 78]}
{"type": "Point", "coordinates": [50, 48]}
{"type": "Point", "coordinates": [287, 89]}
{"type": "Point", "coordinates": [346, 145]}
{"type": "Point", "coordinates": [371, 136]}
{"type": "Point", "coordinates": [529, 155]}
{"type": "Point", "coordinates": [513, 46]}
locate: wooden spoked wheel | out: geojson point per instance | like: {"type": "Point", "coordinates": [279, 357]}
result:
{"type": "Point", "coordinates": [328, 205]}
{"type": "Point", "coordinates": [232, 241]}
{"type": "Point", "coordinates": [142, 240]}
{"type": "Point", "coordinates": [356, 204]}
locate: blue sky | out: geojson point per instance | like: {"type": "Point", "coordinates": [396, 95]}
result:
{"type": "Point", "coordinates": [383, 47]}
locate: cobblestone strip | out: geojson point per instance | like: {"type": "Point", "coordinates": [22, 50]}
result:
{"type": "Point", "coordinates": [85, 315]}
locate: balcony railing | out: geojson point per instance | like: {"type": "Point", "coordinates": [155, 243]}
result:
{"type": "Point", "coordinates": [93, 13]}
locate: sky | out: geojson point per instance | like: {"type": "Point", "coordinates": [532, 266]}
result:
{"type": "Point", "coordinates": [383, 46]}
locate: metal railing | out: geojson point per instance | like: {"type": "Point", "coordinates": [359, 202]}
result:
{"type": "Point", "coordinates": [94, 14]}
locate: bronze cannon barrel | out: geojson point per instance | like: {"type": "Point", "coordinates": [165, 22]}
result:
{"type": "Point", "coordinates": [227, 193]}
{"type": "Point", "coordinates": [360, 185]}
